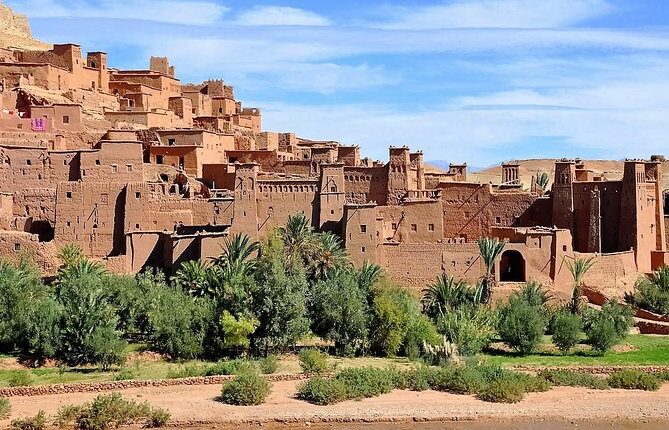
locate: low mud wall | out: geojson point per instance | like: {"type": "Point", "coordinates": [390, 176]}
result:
{"type": "Point", "coordinates": [103, 386]}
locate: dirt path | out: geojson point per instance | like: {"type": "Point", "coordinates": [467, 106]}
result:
{"type": "Point", "coordinates": [191, 405]}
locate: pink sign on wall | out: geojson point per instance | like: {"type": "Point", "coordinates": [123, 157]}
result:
{"type": "Point", "coordinates": [38, 124]}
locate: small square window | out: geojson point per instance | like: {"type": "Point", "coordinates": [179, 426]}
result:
{"type": "Point", "coordinates": [414, 227]}
{"type": "Point", "coordinates": [430, 227]}
{"type": "Point", "coordinates": [137, 226]}
{"type": "Point", "coordinates": [394, 226]}
{"type": "Point", "coordinates": [129, 167]}
{"type": "Point", "coordinates": [69, 224]}
{"type": "Point", "coordinates": [97, 162]}
{"type": "Point", "coordinates": [138, 195]}
{"type": "Point", "coordinates": [159, 159]}
{"type": "Point", "coordinates": [171, 142]}
{"type": "Point", "coordinates": [564, 248]}
{"type": "Point", "coordinates": [29, 162]}
{"type": "Point", "coordinates": [64, 162]}
{"type": "Point", "coordinates": [19, 126]}
{"type": "Point", "coordinates": [17, 247]}
{"type": "Point", "coordinates": [68, 194]}
{"type": "Point", "coordinates": [66, 119]}
{"type": "Point", "coordinates": [363, 228]}
{"type": "Point", "coordinates": [498, 220]}
{"type": "Point", "coordinates": [332, 212]}
{"type": "Point", "coordinates": [114, 168]}
{"type": "Point", "coordinates": [363, 249]}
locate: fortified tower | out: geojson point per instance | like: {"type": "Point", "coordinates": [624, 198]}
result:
{"type": "Point", "coordinates": [245, 218]}
{"type": "Point", "coordinates": [398, 178]}
{"type": "Point", "coordinates": [332, 197]}
{"type": "Point", "coordinates": [563, 194]}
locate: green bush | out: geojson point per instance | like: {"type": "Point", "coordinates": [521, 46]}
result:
{"type": "Point", "coordinates": [420, 331]}
{"type": "Point", "coordinates": [5, 408]}
{"type": "Point", "coordinates": [652, 293]}
{"type": "Point", "coordinates": [107, 411]}
{"type": "Point", "coordinates": [20, 378]}
{"type": "Point", "coordinates": [568, 378]}
{"type": "Point", "coordinates": [521, 325]}
{"type": "Point", "coordinates": [504, 390]}
{"type": "Point", "coordinates": [158, 418]}
{"type": "Point", "coordinates": [269, 364]}
{"type": "Point", "coordinates": [630, 379]}
{"type": "Point", "coordinates": [393, 310]}
{"type": "Point", "coordinates": [246, 389]}
{"type": "Point", "coordinates": [38, 422]}
{"type": "Point", "coordinates": [187, 371]}
{"type": "Point", "coordinates": [313, 361]}
{"type": "Point", "coordinates": [601, 333]}
{"type": "Point", "coordinates": [420, 379]}
{"type": "Point", "coordinates": [458, 379]}
{"type": "Point", "coordinates": [67, 415]}
{"type": "Point", "coordinates": [566, 328]}
{"type": "Point", "coordinates": [367, 382]}
{"type": "Point", "coordinates": [470, 328]}
{"type": "Point", "coordinates": [322, 391]}
{"type": "Point", "coordinates": [124, 374]}
{"type": "Point", "coordinates": [663, 376]}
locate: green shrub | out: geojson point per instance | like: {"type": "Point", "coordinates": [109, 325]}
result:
{"type": "Point", "coordinates": [110, 410]}
{"type": "Point", "coordinates": [313, 361]}
{"type": "Point", "coordinates": [521, 325]}
{"type": "Point", "coordinates": [602, 335]}
{"type": "Point", "coordinates": [393, 309]}
{"type": "Point", "coordinates": [227, 367]}
{"type": "Point", "coordinates": [504, 390]}
{"type": "Point", "coordinates": [663, 376]}
{"type": "Point", "coordinates": [419, 379]}
{"type": "Point", "coordinates": [38, 422]}
{"type": "Point", "coordinates": [246, 389]}
{"type": "Point", "coordinates": [158, 418]}
{"type": "Point", "coordinates": [124, 374]}
{"type": "Point", "coordinates": [566, 328]}
{"type": "Point", "coordinates": [5, 408]}
{"type": "Point", "coordinates": [470, 328]}
{"type": "Point", "coordinates": [630, 379]}
{"type": "Point", "coordinates": [269, 364]}
{"type": "Point", "coordinates": [67, 415]}
{"type": "Point", "coordinates": [187, 371]}
{"type": "Point", "coordinates": [458, 379]}
{"type": "Point", "coordinates": [652, 293]}
{"type": "Point", "coordinates": [20, 378]}
{"type": "Point", "coordinates": [420, 331]}
{"type": "Point", "coordinates": [367, 382]}
{"type": "Point", "coordinates": [322, 391]}
{"type": "Point", "coordinates": [568, 378]}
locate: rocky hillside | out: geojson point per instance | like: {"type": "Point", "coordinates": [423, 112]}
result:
{"type": "Point", "coordinates": [15, 31]}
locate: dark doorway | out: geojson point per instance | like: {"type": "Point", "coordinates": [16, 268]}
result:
{"type": "Point", "coordinates": [43, 229]}
{"type": "Point", "coordinates": [512, 267]}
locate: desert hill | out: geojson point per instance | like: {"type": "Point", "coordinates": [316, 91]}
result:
{"type": "Point", "coordinates": [15, 31]}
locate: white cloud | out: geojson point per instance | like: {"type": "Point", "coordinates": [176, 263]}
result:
{"type": "Point", "coordinates": [280, 16]}
{"type": "Point", "coordinates": [496, 14]}
{"type": "Point", "coordinates": [188, 12]}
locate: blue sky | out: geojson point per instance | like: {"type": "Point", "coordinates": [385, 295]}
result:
{"type": "Point", "coordinates": [479, 81]}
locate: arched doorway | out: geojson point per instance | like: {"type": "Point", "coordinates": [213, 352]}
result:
{"type": "Point", "coordinates": [512, 267]}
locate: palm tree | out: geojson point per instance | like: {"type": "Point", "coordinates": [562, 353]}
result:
{"type": "Point", "coordinates": [446, 293]}
{"type": "Point", "coordinates": [192, 276]}
{"type": "Point", "coordinates": [298, 237]}
{"type": "Point", "coordinates": [80, 269]}
{"type": "Point", "coordinates": [329, 255]}
{"type": "Point", "coordinates": [236, 258]}
{"type": "Point", "coordinates": [542, 180]}
{"type": "Point", "coordinates": [70, 253]}
{"type": "Point", "coordinates": [368, 275]}
{"type": "Point", "coordinates": [578, 268]}
{"type": "Point", "coordinates": [490, 248]}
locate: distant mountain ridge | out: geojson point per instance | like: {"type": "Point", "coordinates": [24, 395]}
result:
{"type": "Point", "coordinates": [15, 31]}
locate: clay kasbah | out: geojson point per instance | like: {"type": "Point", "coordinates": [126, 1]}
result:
{"type": "Point", "coordinates": [140, 169]}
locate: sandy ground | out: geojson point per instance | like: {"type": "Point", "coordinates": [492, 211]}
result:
{"type": "Point", "coordinates": [193, 405]}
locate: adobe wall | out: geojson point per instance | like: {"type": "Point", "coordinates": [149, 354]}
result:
{"type": "Point", "coordinates": [113, 162]}
{"type": "Point", "coordinates": [278, 199]}
{"type": "Point", "coordinates": [14, 245]}
{"type": "Point", "coordinates": [612, 274]}
{"type": "Point", "coordinates": [366, 184]}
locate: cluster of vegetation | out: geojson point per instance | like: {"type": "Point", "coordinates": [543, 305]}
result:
{"type": "Point", "coordinates": [490, 383]}
{"type": "Point", "coordinates": [248, 388]}
{"type": "Point", "coordinates": [652, 293]}
{"type": "Point", "coordinates": [104, 412]}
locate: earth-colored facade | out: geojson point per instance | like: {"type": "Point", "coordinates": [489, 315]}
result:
{"type": "Point", "coordinates": [142, 170]}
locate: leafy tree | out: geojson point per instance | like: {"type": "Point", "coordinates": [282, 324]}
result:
{"type": "Point", "coordinates": [89, 323]}
{"type": "Point", "coordinates": [279, 299]}
{"type": "Point", "coordinates": [339, 311]}
{"type": "Point", "coordinates": [298, 238]}
{"type": "Point", "coordinates": [470, 328]}
{"type": "Point", "coordinates": [179, 323]}
{"type": "Point", "coordinates": [70, 254]}
{"type": "Point", "coordinates": [393, 309]}
{"type": "Point", "coordinates": [368, 275]}
{"type": "Point", "coordinates": [566, 328]}
{"type": "Point", "coordinates": [236, 331]}
{"type": "Point", "coordinates": [490, 249]}
{"type": "Point", "coordinates": [522, 323]}
{"type": "Point", "coordinates": [578, 268]}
